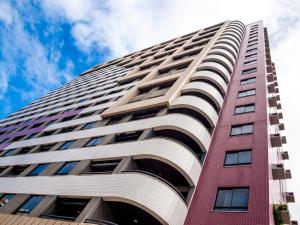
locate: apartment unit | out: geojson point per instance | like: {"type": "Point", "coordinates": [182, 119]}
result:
{"type": "Point", "coordinates": [184, 132]}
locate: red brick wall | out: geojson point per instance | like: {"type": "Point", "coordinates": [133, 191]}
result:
{"type": "Point", "coordinates": [256, 176]}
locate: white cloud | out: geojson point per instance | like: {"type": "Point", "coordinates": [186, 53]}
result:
{"type": "Point", "coordinates": [6, 12]}
{"type": "Point", "coordinates": [38, 65]}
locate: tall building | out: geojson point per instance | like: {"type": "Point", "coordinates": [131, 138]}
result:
{"type": "Point", "coordinates": [186, 132]}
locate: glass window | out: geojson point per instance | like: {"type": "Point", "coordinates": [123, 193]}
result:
{"type": "Point", "coordinates": [66, 168]}
{"type": "Point", "coordinates": [246, 93]}
{"type": "Point", "coordinates": [89, 125]}
{"type": "Point", "coordinates": [241, 129]}
{"type": "Point", "coordinates": [6, 199]}
{"type": "Point", "coordinates": [30, 204]}
{"type": "Point", "coordinates": [31, 136]}
{"type": "Point", "coordinates": [9, 152]}
{"type": "Point", "coordinates": [250, 62]}
{"type": "Point", "coordinates": [250, 56]}
{"type": "Point", "coordinates": [248, 81]}
{"type": "Point", "coordinates": [235, 199]}
{"type": "Point", "coordinates": [238, 158]}
{"type": "Point", "coordinates": [248, 71]}
{"type": "Point", "coordinates": [39, 169]}
{"type": "Point", "coordinates": [244, 109]}
{"type": "Point", "coordinates": [94, 141]}
{"type": "Point", "coordinates": [66, 145]}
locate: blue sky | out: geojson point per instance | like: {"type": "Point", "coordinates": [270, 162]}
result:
{"type": "Point", "coordinates": [45, 43]}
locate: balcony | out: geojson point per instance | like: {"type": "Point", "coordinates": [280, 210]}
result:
{"type": "Point", "coordinates": [274, 118]}
{"type": "Point", "coordinates": [163, 172]}
{"type": "Point", "coordinates": [289, 196]}
{"type": "Point", "coordinates": [281, 214]}
{"type": "Point", "coordinates": [285, 155]}
{"type": "Point", "coordinates": [281, 126]}
{"type": "Point", "coordinates": [271, 88]}
{"type": "Point", "coordinates": [66, 209]}
{"type": "Point", "coordinates": [120, 213]}
{"type": "Point", "coordinates": [272, 101]}
{"type": "Point", "coordinates": [277, 140]}
{"type": "Point", "coordinates": [277, 90]}
{"type": "Point", "coordinates": [278, 97]}
{"type": "Point", "coordinates": [294, 222]}
{"type": "Point", "coordinates": [279, 106]}
{"type": "Point", "coordinates": [270, 77]}
{"type": "Point", "coordinates": [279, 173]}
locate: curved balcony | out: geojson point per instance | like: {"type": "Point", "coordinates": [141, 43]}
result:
{"type": "Point", "coordinates": [235, 26]}
{"type": "Point", "coordinates": [174, 154]}
{"type": "Point", "coordinates": [212, 77]}
{"type": "Point", "coordinates": [220, 59]}
{"type": "Point", "coordinates": [223, 52]}
{"type": "Point", "coordinates": [230, 42]}
{"type": "Point", "coordinates": [226, 47]}
{"type": "Point", "coordinates": [233, 33]}
{"type": "Point", "coordinates": [139, 190]}
{"type": "Point", "coordinates": [208, 114]}
{"type": "Point", "coordinates": [176, 122]}
{"type": "Point", "coordinates": [207, 90]}
{"type": "Point", "coordinates": [231, 38]}
{"type": "Point", "coordinates": [216, 66]}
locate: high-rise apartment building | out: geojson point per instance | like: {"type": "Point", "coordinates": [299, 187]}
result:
{"type": "Point", "coordinates": [186, 132]}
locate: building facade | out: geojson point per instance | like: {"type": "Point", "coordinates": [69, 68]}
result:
{"type": "Point", "coordinates": [186, 132]}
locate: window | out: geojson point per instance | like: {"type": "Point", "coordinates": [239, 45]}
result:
{"type": "Point", "coordinates": [144, 114]}
{"type": "Point", "coordinates": [238, 158]}
{"type": "Point", "coordinates": [244, 109]}
{"type": "Point", "coordinates": [248, 81]}
{"type": "Point", "coordinates": [6, 199]}
{"type": "Point", "coordinates": [235, 199]}
{"type": "Point", "coordinates": [241, 129]}
{"type": "Point", "coordinates": [30, 204]}
{"type": "Point", "coordinates": [250, 62]}
{"type": "Point", "coordinates": [246, 93]}
{"type": "Point", "coordinates": [44, 148]}
{"type": "Point", "coordinates": [251, 50]}
{"type": "Point", "coordinates": [250, 56]}
{"type": "Point", "coordinates": [128, 136]}
{"type": "Point", "coordinates": [39, 169]}
{"type": "Point", "coordinates": [67, 209]}
{"type": "Point", "coordinates": [88, 125]}
{"type": "Point", "coordinates": [31, 136]}
{"type": "Point", "coordinates": [94, 141]}
{"type": "Point", "coordinates": [66, 145]}
{"type": "Point", "coordinates": [9, 153]}
{"type": "Point", "coordinates": [248, 71]}
{"type": "Point", "coordinates": [66, 168]}
{"type": "Point", "coordinates": [16, 170]}
{"type": "Point", "coordinates": [98, 167]}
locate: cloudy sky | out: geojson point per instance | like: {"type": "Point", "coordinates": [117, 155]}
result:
{"type": "Point", "coordinates": [45, 43]}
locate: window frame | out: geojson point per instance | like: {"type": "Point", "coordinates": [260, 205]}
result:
{"type": "Point", "coordinates": [245, 107]}
{"type": "Point", "coordinates": [232, 198]}
{"type": "Point", "coordinates": [238, 162]}
{"type": "Point", "coordinates": [243, 130]}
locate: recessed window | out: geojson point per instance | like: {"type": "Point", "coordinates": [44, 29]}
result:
{"type": "Point", "coordinates": [238, 158]}
{"type": "Point", "coordinates": [100, 166]}
{"type": "Point", "coordinates": [244, 109]}
{"type": "Point", "coordinates": [128, 136]}
{"type": "Point", "coordinates": [251, 50]}
{"type": "Point", "coordinates": [9, 152]}
{"type": "Point", "coordinates": [233, 199]}
{"type": "Point", "coordinates": [66, 145]}
{"type": "Point", "coordinates": [89, 125]}
{"type": "Point", "coordinates": [6, 199]}
{"type": "Point", "coordinates": [39, 169]}
{"type": "Point", "coordinates": [248, 81]}
{"type": "Point", "coordinates": [250, 62]}
{"type": "Point", "coordinates": [242, 129]}
{"type": "Point", "coordinates": [250, 56]}
{"type": "Point", "coordinates": [248, 71]}
{"type": "Point", "coordinates": [246, 93]}
{"type": "Point", "coordinates": [30, 204]}
{"type": "Point", "coordinates": [94, 141]}
{"type": "Point", "coordinates": [66, 168]}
